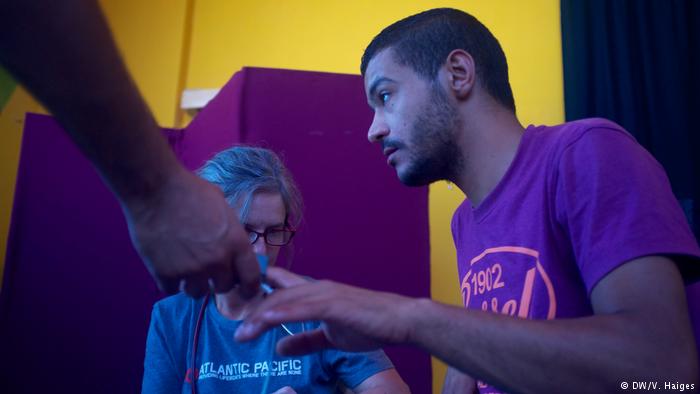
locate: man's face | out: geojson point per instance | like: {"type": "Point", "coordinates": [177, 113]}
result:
{"type": "Point", "coordinates": [413, 121]}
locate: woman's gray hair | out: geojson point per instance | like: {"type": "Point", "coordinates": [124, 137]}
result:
{"type": "Point", "coordinates": [241, 171]}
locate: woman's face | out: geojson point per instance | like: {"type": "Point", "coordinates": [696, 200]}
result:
{"type": "Point", "coordinates": [266, 213]}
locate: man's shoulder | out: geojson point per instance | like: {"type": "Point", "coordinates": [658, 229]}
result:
{"type": "Point", "coordinates": [568, 133]}
{"type": "Point", "coordinates": [460, 215]}
{"type": "Point", "coordinates": [591, 123]}
{"type": "Point", "coordinates": [584, 135]}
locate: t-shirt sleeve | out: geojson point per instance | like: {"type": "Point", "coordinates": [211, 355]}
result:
{"type": "Point", "coordinates": [159, 371]}
{"type": "Point", "coordinates": [615, 201]}
{"type": "Point", "coordinates": [354, 368]}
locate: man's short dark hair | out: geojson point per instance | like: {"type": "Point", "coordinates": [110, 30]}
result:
{"type": "Point", "coordinates": [424, 40]}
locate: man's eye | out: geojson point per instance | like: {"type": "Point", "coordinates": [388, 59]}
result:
{"type": "Point", "coordinates": [383, 97]}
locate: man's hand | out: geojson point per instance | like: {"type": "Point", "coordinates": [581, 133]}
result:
{"type": "Point", "coordinates": [188, 233]}
{"type": "Point", "coordinates": [280, 278]}
{"type": "Point", "coordinates": [353, 319]}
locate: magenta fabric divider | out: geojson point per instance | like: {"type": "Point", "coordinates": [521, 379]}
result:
{"type": "Point", "coordinates": [361, 226]}
{"type": "Point", "coordinates": [216, 127]}
{"type": "Point", "coordinates": [76, 298]}
{"type": "Point", "coordinates": [693, 297]}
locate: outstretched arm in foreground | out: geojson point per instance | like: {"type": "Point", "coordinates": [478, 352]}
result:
{"type": "Point", "coordinates": [62, 51]}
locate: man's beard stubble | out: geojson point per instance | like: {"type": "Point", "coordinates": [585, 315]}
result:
{"type": "Point", "coordinates": [435, 155]}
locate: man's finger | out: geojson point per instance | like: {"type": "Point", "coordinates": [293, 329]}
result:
{"type": "Point", "coordinates": [168, 286]}
{"type": "Point", "coordinates": [196, 286]}
{"type": "Point", "coordinates": [246, 266]}
{"type": "Point", "coordinates": [303, 343]}
{"type": "Point", "coordinates": [222, 280]}
{"type": "Point", "coordinates": [281, 278]}
{"type": "Point", "coordinates": [280, 307]}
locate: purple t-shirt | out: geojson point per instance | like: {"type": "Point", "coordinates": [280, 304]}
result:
{"type": "Point", "coordinates": [579, 200]}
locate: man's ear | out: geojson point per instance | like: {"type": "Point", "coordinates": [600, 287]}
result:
{"type": "Point", "coordinates": [461, 73]}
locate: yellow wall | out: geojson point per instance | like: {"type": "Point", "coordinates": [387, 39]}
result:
{"type": "Point", "coordinates": [171, 44]}
{"type": "Point", "coordinates": [11, 124]}
{"type": "Point", "coordinates": [150, 35]}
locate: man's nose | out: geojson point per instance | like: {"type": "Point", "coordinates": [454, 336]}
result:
{"type": "Point", "coordinates": [378, 129]}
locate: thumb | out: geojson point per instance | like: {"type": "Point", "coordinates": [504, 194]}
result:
{"type": "Point", "coordinates": [246, 268]}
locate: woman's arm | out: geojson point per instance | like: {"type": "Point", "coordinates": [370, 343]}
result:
{"type": "Point", "coordinates": [387, 381]}
{"type": "Point", "coordinates": [457, 382]}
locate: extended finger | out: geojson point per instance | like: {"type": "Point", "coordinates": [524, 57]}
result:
{"type": "Point", "coordinates": [168, 285]}
{"type": "Point", "coordinates": [303, 343]}
{"type": "Point", "coordinates": [222, 280]}
{"type": "Point", "coordinates": [245, 264]}
{"type": "Point", "coordinates": [196, 286]}
{"type": "Point", "coordinates": [281, 278]}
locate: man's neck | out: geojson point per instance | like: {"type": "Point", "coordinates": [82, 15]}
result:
{"type": "Point", "coordinates": [489, 143]}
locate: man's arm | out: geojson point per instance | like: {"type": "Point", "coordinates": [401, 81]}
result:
{"type": "Point", "coordinates": [62, 51]}
{"type": "Point", "coordinates": [640, 330]}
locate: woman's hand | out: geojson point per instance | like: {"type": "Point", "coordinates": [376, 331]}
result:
{"type": "Point", "coordinates": [285, 390]}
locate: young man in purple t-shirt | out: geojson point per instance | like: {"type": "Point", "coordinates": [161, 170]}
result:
{"type": "Point", "coordinates": [570, 245]}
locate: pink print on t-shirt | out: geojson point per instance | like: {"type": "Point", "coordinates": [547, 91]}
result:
{"type": "Point", "coordinates": [503, 280]}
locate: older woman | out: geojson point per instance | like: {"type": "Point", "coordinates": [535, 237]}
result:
{"type": "Point", "coordinates": [189, 335]}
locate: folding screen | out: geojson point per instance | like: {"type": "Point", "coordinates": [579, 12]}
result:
{"type": "Point", "coordinates": [361, 226]}
{"type": "Point", "coordinates": [76, 299]}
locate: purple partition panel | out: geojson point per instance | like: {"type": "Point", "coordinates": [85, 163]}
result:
{"type": "Point", "coordinates": [693, 296]}
{"type": "Point", "coordinates": [76, 298]}
{"type": "Point", "coordinates": [216, 127]}
{"type": "Point", "coordinates": [361, 226]}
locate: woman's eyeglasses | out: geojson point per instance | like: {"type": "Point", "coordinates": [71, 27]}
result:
{"type": "Point", "coordinates": [272, 236]}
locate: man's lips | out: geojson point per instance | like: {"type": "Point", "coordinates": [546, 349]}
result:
{"type": "Point", "coordinates": [388, 152]}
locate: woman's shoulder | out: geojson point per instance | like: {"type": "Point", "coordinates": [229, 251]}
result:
{"type": "Point", "coordinates": [178, 305]}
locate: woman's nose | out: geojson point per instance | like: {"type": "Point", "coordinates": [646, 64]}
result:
{"type": "Point", "coordinates": [259, 246]}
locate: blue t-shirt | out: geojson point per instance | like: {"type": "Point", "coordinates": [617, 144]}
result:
{"type": "Point", "coordinates": [226, 366]}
